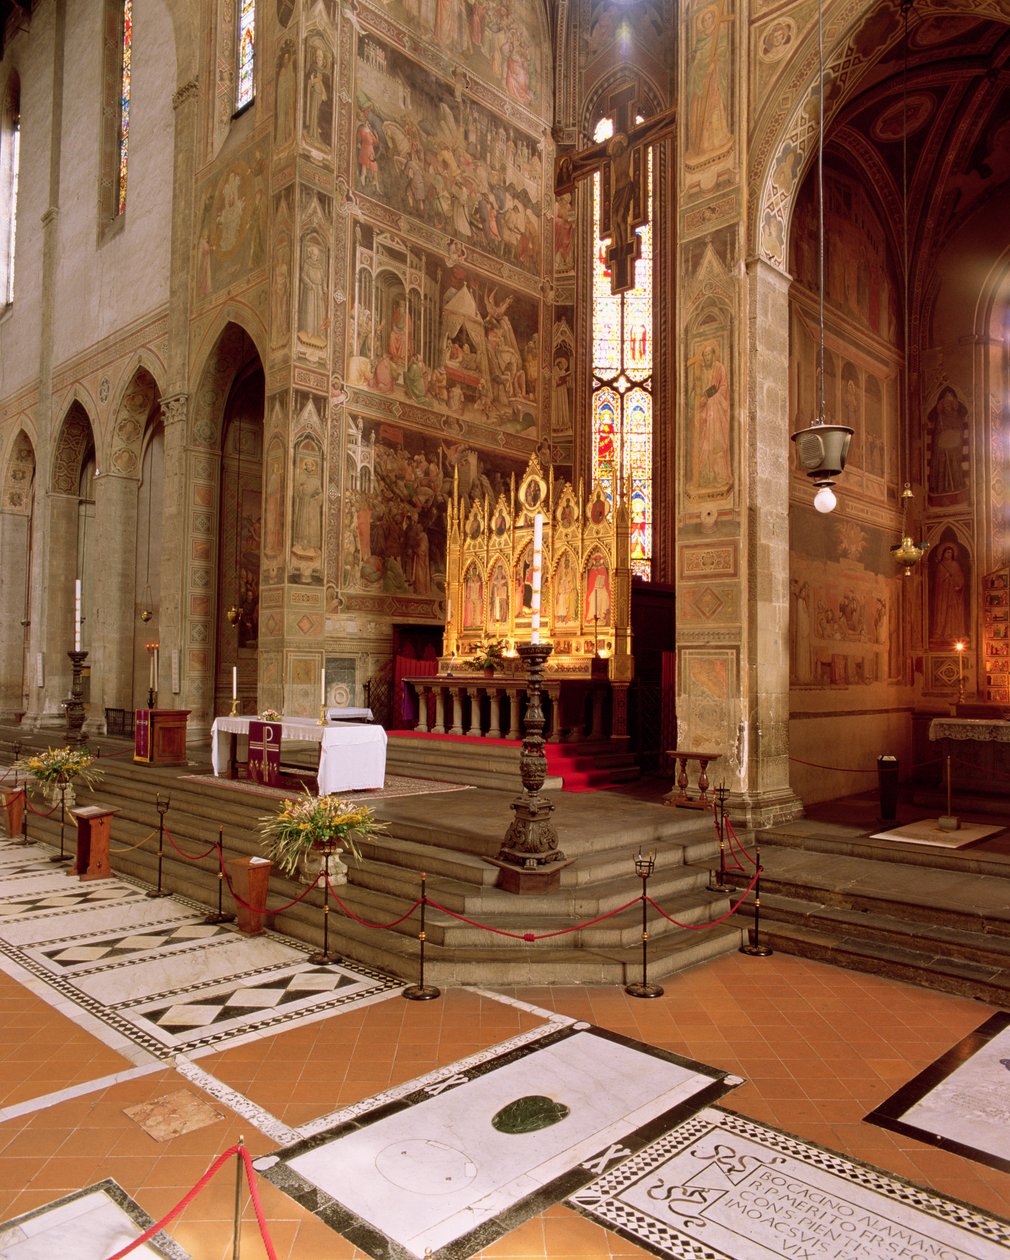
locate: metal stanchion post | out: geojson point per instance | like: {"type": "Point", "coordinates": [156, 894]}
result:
{"type": "Point", "coordinates": [220, 916]}
{"type": "Point", "coordinates": [720, 794]}
{"type": "Point", "coordinates": [61, 856]}
{"type": "Point", "coordinates": [323, 955]}
{"type": "Point", "coordinates": [757, 950]}
{"type": "Point", "coordinates": [162, 807]}
{"type": "Point", "coordinates": [645, 864]}
{"type": "Point", "coordinates": [237, 1235]}
{"type": "Point", "coordinates": [422, 992]}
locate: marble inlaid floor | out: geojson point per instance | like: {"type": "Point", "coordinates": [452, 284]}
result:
{"type": "Point", "coordinates": [97, 1221]}
{"type": "Point", "coordinates": [150, 970]}
{"type": "Point", "coordinates": [468, 1156]}
{"type": "Point", "coordinates": [817, 1049]}
{"type": "Point", "coordinates": [726, 1188]}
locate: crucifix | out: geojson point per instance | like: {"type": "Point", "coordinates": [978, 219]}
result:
{"type": "Point", "coordinates": [624, 187]}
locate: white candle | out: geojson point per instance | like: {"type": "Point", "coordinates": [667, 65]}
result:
{"type": "Point", "coordinates": [77, 615]}
{"type": "Point", "coordinates": [234, 682]}
{"type": "Point", "coordinates": [538, 556]}
{"type": "Point", "coordinates": [322, 686]}
{"type": "Point", "coordinates": [150, 680]}
{"type": "Point", "coordinates": [155, 683]}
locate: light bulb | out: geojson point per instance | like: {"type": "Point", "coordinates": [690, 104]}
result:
{"type": "Point", "coordinates": [824, 500]}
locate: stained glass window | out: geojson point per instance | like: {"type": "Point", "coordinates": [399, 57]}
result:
{"type": "Point", "coordinates": [10, 203]}
{"type": "Point", "coordinates": [124, 101]}
{"type": "Point", "coordinates": [245, 81]}
{"type": "Point", "coordinates": [622, 382]}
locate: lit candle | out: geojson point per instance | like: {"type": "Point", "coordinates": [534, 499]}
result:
{"type": "Point", "coordinates": [150, 662]}
{"type": "Point", "coordinates": [77, 615]}
{"type": "Point", "coordinates": [155, 683]}
{"type": "Point", "coordinates": [234, 682]}
{"type": "Point", "coordinates": [538, 544]}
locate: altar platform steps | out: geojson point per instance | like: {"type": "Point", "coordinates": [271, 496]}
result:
{"type": "Point", "coordinates": [939, 919]}
{"type": "Point", "coordinates": [446, 836]}
{"type": "Point", "coordinates": [494, 763]}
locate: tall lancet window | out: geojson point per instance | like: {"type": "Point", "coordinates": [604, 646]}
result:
{"type": "Point", "coordinates": [245, 80]}
{"type": "Point", "coordinates": [10, 155]}
{"type": "Point", "coordinates": [623, 379]}
{"type": "Point", "coordinates": [125, 84]}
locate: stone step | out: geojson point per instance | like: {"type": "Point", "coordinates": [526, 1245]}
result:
{"type": "Point", "coordinates": [979, 981]}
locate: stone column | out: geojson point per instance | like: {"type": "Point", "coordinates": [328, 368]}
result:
{"type": "Point", "coordinates": [13, 587]}
{"type": "Point", "coordinates": [57, 634]}
{"type": "Point", "coordinates": [763, 746]}
{"type": "Point", "coordinates": [174, 412]}
{"type": "Point", "coordinates": [113, 607]}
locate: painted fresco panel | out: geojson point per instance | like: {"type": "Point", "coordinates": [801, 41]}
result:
{"type": "Point", "coordinates": [433, 154]}
{"type": "Point", "coordinates": [397, 484]}
{"type": "Point", "coordinates": [502, 42]}
{"type": "Point", "coordinates": [442, 338]}
{"type": "Point", "coordinates": [230, 241]}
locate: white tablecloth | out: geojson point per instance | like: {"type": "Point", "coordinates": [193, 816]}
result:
{"type": "Point", "coordinates": [352, 756]}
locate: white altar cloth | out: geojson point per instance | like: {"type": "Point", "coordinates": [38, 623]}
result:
{"type": "Point", "coordinates": [352, 757]}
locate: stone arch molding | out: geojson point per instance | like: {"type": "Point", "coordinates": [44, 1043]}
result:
{"type": "Point", "coordinates": [228, 355]}
{"type": "Point", "coordinates": [76, 435]}
{"type": "Point", "coordinates": [19, 476]}
{"type": "Point", "coordinates": [794, 143]}
{"type": "Point", "coordinates": [139, 398]}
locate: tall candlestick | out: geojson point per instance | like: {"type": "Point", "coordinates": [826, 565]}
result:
{"type": "Point", "coordinates": [150, 663]}
{"type": "Point", "coordinates": [77, 615]}
{"type": "Point", "coordinates": [234, 682]}
{"type": "Point", "coordinates": [322, 685]}
{"type": "Point", "coordinates": [538, 556]}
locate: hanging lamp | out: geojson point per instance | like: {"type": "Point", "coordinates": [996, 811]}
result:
{"type": "Point", "coordinates": [907, 552]}
{"type": "Point", "coordinates": [822, 448]}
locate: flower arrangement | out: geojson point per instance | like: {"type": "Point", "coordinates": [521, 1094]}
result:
{"type": "Point", "coordinates": [490, 654]}
{"type": "Point", "coordinates": [60, 766]}
{"type": "Point", "coordinates": [270, 715]}
{"type": "Point", "coordinates": [309, 821]}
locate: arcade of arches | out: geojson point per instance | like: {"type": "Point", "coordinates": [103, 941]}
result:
{"type": "Point", "coordinates": [252, 389]}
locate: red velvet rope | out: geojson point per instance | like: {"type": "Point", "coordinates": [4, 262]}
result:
{"type": "Point", "coordinates": [38, 812]}
{"type": "Point", "coordinates": [700, 927]}
{"type": "Point", "coordinates": [262, 909]}
{"type": "Point", "coordinates": [840, 769]}
{"type": "Point", "coordinates": [736, 864]}
{"type": "Point", "coordinates": [190, 857]}
{"type": "Point", "coordinates": [184, 1202]}
{"type": "Point", "coordinates": [364, 922]}
{"type": "Point", "coordinates": [739, 847]}
{"type": "Point", "coordinates": [532, 936]}
{"type": "Point", "coordinates": [250, 1176]}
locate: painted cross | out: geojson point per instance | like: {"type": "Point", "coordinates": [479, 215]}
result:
{"type": "Point", "coordinates": [622, 163]}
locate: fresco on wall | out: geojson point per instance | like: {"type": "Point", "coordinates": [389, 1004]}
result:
{"type": "Point", "coordinates": [949, 586]}
{"type": "Point", "coordinates": [397, 484]}
{"type": "Point", "coordinates": [436, 155]}
{"type": "Point", "coordinates": [948, 455]}
{"type": "Point", "coordinates": [500, 41]}
{"type": "Point", "coordinates": [230, 241]}
{"type": "Point", "coordinates": [708, 135]}
{"type": "Point", "coordinates": [441, 338]}
{"type": "Point", "coordinates": [305, 563]}
{"type": "Point", "coordinates": [317, 93]}
{"type": "Point", "coordinates": [709, 445]}
{"type": "Point", "coordinates": [857, 278]}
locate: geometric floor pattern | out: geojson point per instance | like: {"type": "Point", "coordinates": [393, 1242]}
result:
{"type": "Point", "coordinates": [90, 1225]}
{"type": "Point", "coordinates": [151, 971]}
{"type": "Point", "coordinates": [961, 1102]}
{"type": "Point", "coordinates": [468, 1156]}
{"type": "Point", "coordinates": [723, 1187]}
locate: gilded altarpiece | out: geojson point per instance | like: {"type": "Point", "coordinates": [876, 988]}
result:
{"type": "Point", "coordinates": [586, 576]}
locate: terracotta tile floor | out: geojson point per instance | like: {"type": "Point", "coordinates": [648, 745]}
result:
{"type": "Point", "coordinates": [820, 1047]}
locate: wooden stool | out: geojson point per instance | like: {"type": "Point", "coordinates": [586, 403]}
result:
{"type": "Point", "coordinates": [680, 798]}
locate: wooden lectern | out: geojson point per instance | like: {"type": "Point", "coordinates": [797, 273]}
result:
{"type": "Point", "coordinates": [159, 736]}
{"type": "Point", "coordinates": [250, 877]}
{"type": "Point", "coordinates": [93, 823]}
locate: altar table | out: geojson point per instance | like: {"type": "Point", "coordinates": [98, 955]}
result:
{"type": "Point", "coordinates": [351, 757]}
{"type": "Point", "coordinates": [979, 749]}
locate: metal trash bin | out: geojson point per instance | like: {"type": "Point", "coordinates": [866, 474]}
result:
{"type": "Point", "coordinates": [887, 784]}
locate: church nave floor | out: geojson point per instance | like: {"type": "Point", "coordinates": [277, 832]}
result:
{"type": "Point", "coordinates": [817, 1048]}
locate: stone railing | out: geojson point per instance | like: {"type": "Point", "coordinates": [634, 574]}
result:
{"type": "Point", "coordinates": [492, 708]}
